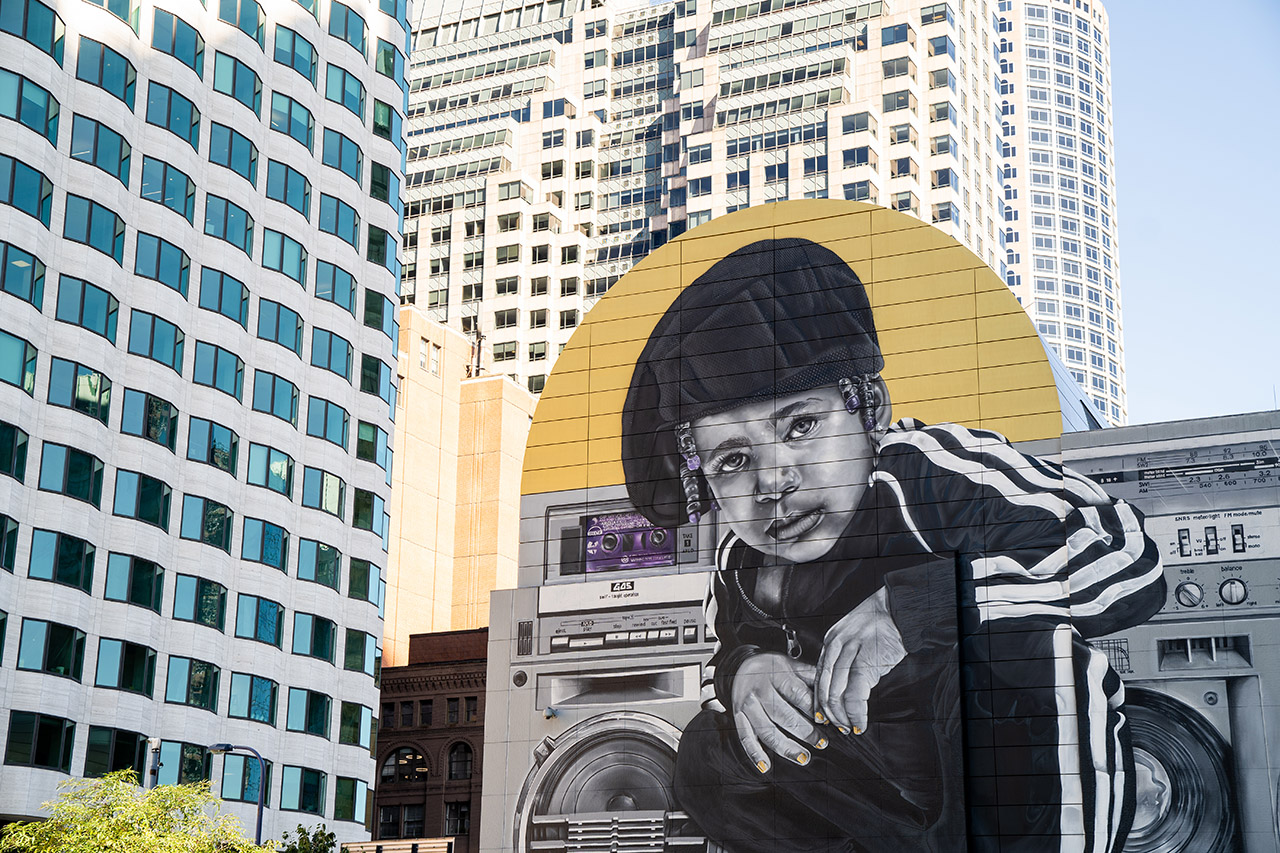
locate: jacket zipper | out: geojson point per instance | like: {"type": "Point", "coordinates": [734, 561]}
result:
{"type": "Point", "coordinates": [794, 649]}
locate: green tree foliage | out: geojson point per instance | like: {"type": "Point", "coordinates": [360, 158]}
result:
{"type": "Point", "coordinates": [114, 815]}
{"type": "Point", "coordinates": [314, 840]}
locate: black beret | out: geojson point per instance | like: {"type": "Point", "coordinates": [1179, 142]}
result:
{"type": "Point", "coordinates": [773, 318]}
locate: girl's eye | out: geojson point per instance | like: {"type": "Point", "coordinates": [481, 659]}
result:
{"type": "Point", "coordinates": [730, 463]}
{"type": "Point", "coordinates": [801, 426]}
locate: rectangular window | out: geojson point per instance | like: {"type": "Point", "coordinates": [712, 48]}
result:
{"type": "Point", "coordinates": [296, 52]}
{"type": "Point", "coordinates": [241, 777]}
{"type": "Point", "coordinates": [275, 395]}
{"type": "Point", "coordinates": [162, 261]}
{"type": "Point", "coordinates": [303, 789]}
{"type": "Point", "coordinates": [218, 368]}
{"type": "Point", "coordinates": [365, 582]}
{"type": "Point", "coordinates": [319, 563]}
{"type": "Point", "coordinates": [61, 558]}
{"type": "Point", "coordinates": [134, 580]}
{"type": "Point", "coordinates": [342, 154]}
{"type": "Point", "coordinates": [345, 24]}
{"type": "Point", "coordinates": [212, 444]}
{"type": "Point", "coordinates": [51, 647]}
{"type": "Point", "coordinates": [259, 619]}
{"type": "Point", "coordinates": [192, 682]}
{"type": "Point", "coordinates": [232, 77]}
{"type": "Point", "coordinates": [207, 521]}
{"type": "Point", "coordinates": [569, 319]}
{"type": "Point", "coordinates": [104, 67]}
{"type": "Point", "coordinates": [174, 36]}
{"type": "Point", "coordinates": [253, 698]}
{"type": "Point", "coordinates": [80, 388]}
{"type": "Point", "coordinates": [351, 799]}
{"type": "Point", "coordinates": [288, 185]}
{"type": "Point", "coordinates": [265, 543]}
{"type": "Point", "coordinates": [225, 295]}
{"type": "Point", "coordinates": [343, 87]}
{"type": "Point", "coordinates": [95, 143]}
{"type": "Point", "coordinates": [199, 600]}
{"type": "Point", "coordinates": [125, 666]}
{"type": "Point", "coordinates": [22, 275]}
{"type": "Point", "coordinates": [71, 472]}
{"type": "Point", "coordinates": [183, 763]}
{"type": "Point", "coordinates": [323, 491]}
{"type": "Point", "coordinates": [292, 119]}
{"type": "Point", "coordinates": [308, 712]}
{"type": "Point", "coordinates": [280, 325]}
{"type": "Point", "coordinates": [228, 221]}
{"type": "Point", "coordinates": [375, 378]}
{"type": "Point", "coordinates": [83, 304]}
{"type": "Point", "coordinates": [331, 352]}
{"type": "Point", "coordinates": [110, 750]}
{"type": "Point", "coordinates": [360, 652]}
{"type": "Point", "coordinates": [327, 420]}
{"type": "Point", "coordinates": [39, 740]}
{"type": "Point", "coordinates": [86, 221]}
{"type": "Point", "coordinates": [340, 219]}
{"type": "Point", "coordinates": [174, 112]}
{"type": "Point", "coordinates": [270, 468]}
{"type": "Point", "coordinates": [314, 637]}
{"type": "Point", "coordinates": [457, 818]}
{"type": "Point", "coordinates": [17, 362]}
{"type": "Point", "coordinates": [355, 726]}
{"type": "Point", "coordinates": [285, 255]}
{"type": "Point", "coordinates": [227, 147]}
{"type": "Point", "coordinates": [336, 285]}
{"type": "Point", "coordinates": [13, 451]}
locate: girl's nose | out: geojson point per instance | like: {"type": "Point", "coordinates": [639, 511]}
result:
{"type": "Point", "coordinates": [774, 482]}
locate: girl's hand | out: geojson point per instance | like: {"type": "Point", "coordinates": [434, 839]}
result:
{"type": "Point", "coordinates": [773, 708]}
{"type": "Point", "coordinates": [858, 651]}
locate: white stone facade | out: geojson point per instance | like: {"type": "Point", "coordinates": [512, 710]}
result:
{"type": "Point", "coordinates": [123, 465]}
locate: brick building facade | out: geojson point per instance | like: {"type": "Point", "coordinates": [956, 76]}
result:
{"type": "Point", "coordinates": [431, 741]}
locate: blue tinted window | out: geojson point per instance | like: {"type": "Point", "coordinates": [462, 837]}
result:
{"type": "Point", "coordinates": [134, 580]}
{"type": "Point", "coordinates": [100, 65]}
{"type": "Point", "coordinates": [167, 185]}
{"type": "Point", "coordinates": [25, 188]}
{"type": "Point", "coordinates": [275, 395]}
{"type": "Point", "coordinates": [259, 619]}
{"type": "Point", "coordinates": [142, 497]}
{"type": "Point", "coordinates": [345, 24]}
{"type": "Point", "coordinates": [22, 274]}
{"type": "Point", "coordinates": [228, 221]}
{"type": "Point", "coordinates": [62, 558]}
{"type": "Point", "coordinates": [232, 77]}
{"type": "Point", "coordinates": [288, 185]}
{"type": "Point", "coordinates": [282, 253]}
{"type": "Point", "coordinates": [156, 338]}
{"type": "Point", "coordinates": [207, 521]}
{"type": "Point", "coordinates": [36, 23]}
{"type": "Point", "coordinates": [335, 285]}
{"type": "Point", "coordinates": [343, 87]}
{"type": "Point", "coordinates": [229, 148]}
{"type": "Point", "coordinates": [212, 444]}
{"type": "Point", "coordinates": [94, 142]}
{"type": "Point", "coordinates": [386, 124]}
{"type": "Point", "coordinates": [179, 39]}
{"type": "Point", "coordinates": [340, 219]}
{"type": "Point", "coordinates": [389, 61]}
{"type": "Point", "coordinates": [319, 563]}
{"type": "Point", "coordinates": [245, 15]}
{"type": "Point", "coordinates": [342, 154]}
{"type": "Point", "coordinates": [226, 295]}
{"type": "Point", "coordinates": [265, 543]}
{"type": "Point", "coordinates": [25, 102]}
{"type": "Point", "coordinates": [150, 417]}
{"type": "Point", "coordinates": [95, 225]}
{"type": "Point", "coordinates": [168, 109]}
{"type": "Point", "coordinates": [161, 261]}
{"type": "Point", "coordinates": [292, 119]}
{"type": "Point", "coordinates": [296, 52]}
{"type": "Point", "coordinates": [331, 352]}
{"type": "Point", "coordinates": [71, 472]}
{"type": "Point", "coordinates": [327, 420]}
{"type": "Point", "coordinates": [280, 324]}
{"type": "Point", "coordinates": [252, 698]}
{"type": "Point", "coordinates": [17, 362]}
{"type": "Point", "coordinates": [323, 491]}
{"type": "Point", "coordinates": [81, 388]}
{"type": "Point", "coordinates": [199, 600]}
{"type": "Point", "coordinates": [219, 368]}
{"type": "Point", "coordinates": [87, 305]}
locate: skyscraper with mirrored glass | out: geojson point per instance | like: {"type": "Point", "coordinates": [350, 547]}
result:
{"type": "Point", "coordinates": [198, 295]}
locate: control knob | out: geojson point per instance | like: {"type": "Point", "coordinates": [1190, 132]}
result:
{"type": "Point", "coordinates": [1189, 594]}
{"type": "Point", "coordinates": [1233, 591]}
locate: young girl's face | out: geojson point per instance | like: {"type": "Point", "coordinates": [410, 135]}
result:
{"type": "Point", "coordinates": [788, 473]}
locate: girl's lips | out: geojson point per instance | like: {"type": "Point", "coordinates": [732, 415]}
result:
{"type": "Point", "coordinates": [794, 525]}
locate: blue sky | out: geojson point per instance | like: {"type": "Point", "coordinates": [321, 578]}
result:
{"type": "Point", "coordinates": [1197, 135]}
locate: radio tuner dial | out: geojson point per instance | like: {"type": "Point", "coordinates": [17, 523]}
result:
{"type": "Point", "coordinates": [1233, 591]}
{"type": "Point", "coordinates": [1189, 594]}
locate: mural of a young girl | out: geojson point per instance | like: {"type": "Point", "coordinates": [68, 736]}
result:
{"type": "Point", "coordinates": [900, 609]}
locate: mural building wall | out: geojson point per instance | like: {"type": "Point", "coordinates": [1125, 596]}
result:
{"type": "Point", "coordinates": [786, 584]}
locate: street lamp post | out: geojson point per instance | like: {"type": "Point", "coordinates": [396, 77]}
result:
{"type": "Point", "coordinates": [222, 749]}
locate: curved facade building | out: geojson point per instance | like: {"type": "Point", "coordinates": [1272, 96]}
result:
{"type": "Point", "coordinates": [197, 387]}
{"type": "Point", "coordinates": [1061, 239]}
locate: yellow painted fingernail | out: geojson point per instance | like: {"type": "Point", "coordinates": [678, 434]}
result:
{"type": "Point", "coordinates": [857, 731]}
{"type": "Point", "coordinates": [822, 743]}
{"type": "Point", "coordinates": [818, 718]}
{"type": "Point", "coordinates": [843, 730]}
{"type": "Point", "coordinates": [802, 758]}
{"type": "Point", "coordinates": [762, 767]}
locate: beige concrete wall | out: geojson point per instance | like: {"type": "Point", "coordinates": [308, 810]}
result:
{"type": "Point", "coordinates": [459, 446]}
